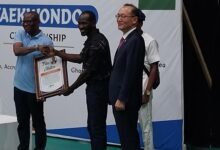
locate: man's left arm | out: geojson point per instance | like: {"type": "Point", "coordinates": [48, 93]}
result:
{"type": "Point", "coordinates": [153, 57]}
{"type": "Point", "coordinates": [151, 79]}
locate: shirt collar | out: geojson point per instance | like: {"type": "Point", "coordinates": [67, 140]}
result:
{"type": "Point", "coordinates": [127, 33]}
{"type": "Point", "coordinates": [36, 36]}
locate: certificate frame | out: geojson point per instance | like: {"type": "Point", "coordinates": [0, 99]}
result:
{"type": "Point", "coordinates": [51, 76]}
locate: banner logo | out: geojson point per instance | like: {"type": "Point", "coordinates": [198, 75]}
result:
{"type": "Point", "coordinates": [61, 16]}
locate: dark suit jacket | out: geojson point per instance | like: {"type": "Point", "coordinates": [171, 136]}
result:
{"type": "Point", "coordinates": [126, 77]}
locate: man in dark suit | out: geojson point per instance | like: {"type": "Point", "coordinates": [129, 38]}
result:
{"type": "Point", "coordinates": [125, 88]}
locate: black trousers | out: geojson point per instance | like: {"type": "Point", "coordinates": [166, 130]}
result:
{"type": "Point", "coordinates": [26, 106]}
{"type": "Point", "coordinates": [126, 122]}
{"type": "Point", "coordinates": [97, 104]}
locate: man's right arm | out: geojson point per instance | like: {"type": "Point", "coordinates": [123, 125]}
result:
{"type": "Point", "coordinates": [19, 50]}
{"type": "Point", "coordinates": [68, 57]}
{"type": "Point", "coordinates": [18, 47]}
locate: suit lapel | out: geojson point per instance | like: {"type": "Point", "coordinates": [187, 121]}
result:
{"type": "Point", "coordinates": [123, 46]}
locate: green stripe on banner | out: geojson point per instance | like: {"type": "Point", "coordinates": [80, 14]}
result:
{"type": "Point", "coordinates": [157, 4]}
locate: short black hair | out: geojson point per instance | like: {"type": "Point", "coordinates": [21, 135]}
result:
{"type": "Point", "coordinates": [35, 14]}
{"type": "Point", "coordinates": [141, 16]}
{"type": "Point", "coordinates": [134, 8]}
{"type": "Point", "coordinates": [92, 16]}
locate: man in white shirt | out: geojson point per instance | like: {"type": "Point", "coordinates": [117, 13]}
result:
{"type": "Point", "coordinates": [151, 63]}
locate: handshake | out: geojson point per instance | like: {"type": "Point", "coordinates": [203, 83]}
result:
{"type": "Point", "coordinates": [47, 50]}
{"type": "Point", "coordinates": [50, 51]}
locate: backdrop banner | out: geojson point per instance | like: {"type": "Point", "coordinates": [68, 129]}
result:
{"type": "Point", "coordinates": [67, 116]}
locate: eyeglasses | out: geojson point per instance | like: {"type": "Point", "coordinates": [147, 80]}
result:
{"type": "Point", "coordinates": [29, 22]}
{"type": "Point", "coordinates": [122, 16]}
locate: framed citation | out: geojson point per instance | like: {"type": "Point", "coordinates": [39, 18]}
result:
{"type": "Point", "coordinates": [50, 76]}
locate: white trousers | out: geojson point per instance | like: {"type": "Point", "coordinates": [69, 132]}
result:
{"type": "Point", "coordinates": [145, 120]}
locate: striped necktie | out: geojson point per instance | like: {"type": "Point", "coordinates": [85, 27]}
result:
{"type": "Point", "coordinates": [122, 41]}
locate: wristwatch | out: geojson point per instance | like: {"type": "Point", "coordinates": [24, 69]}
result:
{"type": "Point", "coordinates": [147, 92]}
{"type": "Point", "coordinates": [36, 47]}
